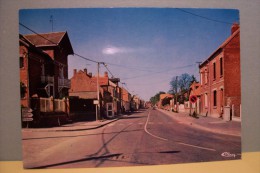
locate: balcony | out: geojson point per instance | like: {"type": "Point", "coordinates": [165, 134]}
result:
{"type": "Point", "coordinates": [47, 79]}
{"type": "Point", "coordinates": [63, 83]}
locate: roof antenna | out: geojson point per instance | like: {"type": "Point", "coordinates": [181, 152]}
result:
{"type": "Point", "coordinates": [51, 21]}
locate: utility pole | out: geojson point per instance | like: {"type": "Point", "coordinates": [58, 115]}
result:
{"type": "Point", "coordinates": [98, 104]}
{"type": "Point", "coordinates": [176, 95]}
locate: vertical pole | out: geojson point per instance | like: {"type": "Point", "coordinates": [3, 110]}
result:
{"type": "Point", "coordinates": [98, 105]}
{"type": "Point", "coordinates": [176, 94]}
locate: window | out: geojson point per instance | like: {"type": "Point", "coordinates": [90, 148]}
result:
{"type": "Point", "coordinates": [201, 78]}
{"type": "Point", "coordinates": [22, 90]}
{"type": "Point", "coordinates": [21, 62]}
{"type": "Point", "coordinates": [214, 71]}
{"type": "Point", "coordinates": [221, 66]}
{"type": "Point", "coordinates": [206, 100]}
{"type": "Point", "coordinates": [215, 98]}
{"type": "Point", "coordinates": [206, 76]}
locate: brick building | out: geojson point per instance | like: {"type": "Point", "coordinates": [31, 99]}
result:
{"type": "Point", "coordinates": [83, 92]}
{"type": "Point", "coordinates": [126, 100]}
{"type": "Point", "coordinates": [44, 73]}
{"type": "Point", "coordinates": [220, 78]}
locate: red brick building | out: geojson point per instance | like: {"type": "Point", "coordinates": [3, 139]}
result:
{"type": "Point", "coordinates": [126, 100]}
{"type": "Point", "coordinates": [44, 72]}
{"type": "Point", "coordinates": [220, 78]}
{"type": "Point", "coordinates": [83, 92]}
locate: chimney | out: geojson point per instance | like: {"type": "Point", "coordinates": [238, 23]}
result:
{"type": "Point", "coordinates": [106, 74]}
{"type": "Point", "coordinates": [234, 27]}
{"type": "Point", "coordinates": [74, 71]}
{"type": "Point", "coordinates": [85, 71]}
{"type": "Point", "coordinates": [90, 74]}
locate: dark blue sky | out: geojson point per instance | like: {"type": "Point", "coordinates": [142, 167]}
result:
{"type": "Point", "coordinates": [148, 46]}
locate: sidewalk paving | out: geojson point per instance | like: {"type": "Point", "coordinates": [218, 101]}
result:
{"type": "Point", "coordinates": [215, 125]}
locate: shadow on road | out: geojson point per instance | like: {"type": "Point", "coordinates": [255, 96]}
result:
{"type": "Point", "coordinates": [79, 160]}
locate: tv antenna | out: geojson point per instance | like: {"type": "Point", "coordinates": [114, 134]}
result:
{"type": "Point", "coordinates": [51, 21]}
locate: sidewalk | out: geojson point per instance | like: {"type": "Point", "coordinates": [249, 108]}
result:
{"type": "Point", "coordinates": [215, 125]}
{"type": "Point", "coordinates": [77, 126]}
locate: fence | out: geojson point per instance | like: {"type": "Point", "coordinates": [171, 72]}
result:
{"type": "Point", "coordinates": [53, 105]}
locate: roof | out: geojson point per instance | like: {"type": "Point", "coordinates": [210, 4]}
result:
{"type": "Point", "coordinates": [218, 50]}
{"type": "Point", "coordinates": [28, 44]}
{"type": "Point", "coordinates": [49, 39]}
{"type": "Point", "coordinates": [163, 96]}
{"type": "Point", "coordinates": [195, 88]}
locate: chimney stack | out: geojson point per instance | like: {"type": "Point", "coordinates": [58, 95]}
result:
{"type": "Point", "coordinates": [90, 74]}
{"type": "Point", "coordinates": [85, 71]}
{"type": "Point", "coordinates": [106, 74]}
{"type": "Point", "coordinates": [234, 27]}
{"type": "Point", "coordinates": [74, 71]}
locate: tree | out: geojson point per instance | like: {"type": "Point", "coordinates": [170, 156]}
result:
{"type": "Point", "coordinates": [180, 85]}
{"type": "Point", "coordinates": [156, 97]}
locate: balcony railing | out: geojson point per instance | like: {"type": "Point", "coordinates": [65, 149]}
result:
{"type": "Point", "coordinates": [64, 83]}
{"type": "Point", "coordinates": [47, 79]}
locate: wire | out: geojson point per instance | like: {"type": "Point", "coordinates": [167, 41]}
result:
{"type": "Point", "coordinates": [85, 58]}
{"type": "Point", "coordinates": [109, 71]}
{"type": "Point", "coordinates": [55, 43]}
{"type": "Point", "coordinates": [37, 33]}
{"type": "Point", "coordinates": [158, 72]}
{"type": "Point", "coordinates": [204, 17]}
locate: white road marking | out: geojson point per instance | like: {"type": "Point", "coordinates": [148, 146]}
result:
{"type": "Point", "coordinates": [181, 143]}
{"type": "Point", "coordinates": [195, 146]}
{"type": "Point", "coordinates": [145, 129]}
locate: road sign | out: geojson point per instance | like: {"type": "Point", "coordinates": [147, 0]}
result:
{"type": "Point", "coordinates": [27, 119]}
{"type": "Point", "coordinates": [95, 102]}
{"type": "Point", "coordinates": [27, 115]}
{"type": "Point", "coordinates": [193, 99]}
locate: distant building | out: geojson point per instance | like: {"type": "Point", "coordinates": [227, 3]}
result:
{"type": "Point", "coordinates": [195, 90]}
{"type": "Point", "coordinates": [126, 100]}
{"type": "Point", "coordinates": [83, 93]}
{"type": "Point", "coordinates": [168, 104]}
{"type": "Point", "coordinates": [220, 78]}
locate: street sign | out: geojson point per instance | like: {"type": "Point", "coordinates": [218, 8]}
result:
{"type": "Point", "coordinates": [27, 115]}
{"type": "Point", "coordinates": [27, 119]}
{"type": "Point", "coordinates": [193, 99]}
{"type": "Point", "coordinates": [95, 102]}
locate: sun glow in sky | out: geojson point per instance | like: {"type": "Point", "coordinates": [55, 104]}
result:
{"type": "Point", "coordinates": [144, 47]}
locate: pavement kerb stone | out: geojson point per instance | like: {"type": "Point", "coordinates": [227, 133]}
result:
{"type": "Point", "coordinates": [71, 129]}
{"type": "Point", "coordinates": [199, 126]}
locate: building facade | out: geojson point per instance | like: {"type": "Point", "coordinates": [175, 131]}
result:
{"type": "Point", "coordinates": [44, 74]}
{"type": "Point", "coordinates": [220, 78]}
{"type": "Point", "coordinates": [83, 94]}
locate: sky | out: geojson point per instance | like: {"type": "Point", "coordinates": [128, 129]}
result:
{"type": "Point", "coordinates": [144, 47]}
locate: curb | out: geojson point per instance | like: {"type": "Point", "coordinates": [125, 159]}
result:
{"type": "Point", "coordinates": [202, 127]}
{"type": "Point", "coordinates": [66, 130]}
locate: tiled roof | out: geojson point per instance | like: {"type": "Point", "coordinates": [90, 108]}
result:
{"type": "Point", "coordinates": [46, 39]}
{"type": "Point", "coordinates": [50, 39]}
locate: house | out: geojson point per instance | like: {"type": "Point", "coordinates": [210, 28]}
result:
{"type": "Point", "coordinates": [44, 75]}
{"type": "Point", "coordinates": [166, 101]}
{"type": "Point", "coordinates": [126, 100]}
{"type": "Point", "coordinates": [220, 78]}
{"type": "Point", "coordinates": [83, 94]}
{"type": "Point", "coordinates": [194, 91]}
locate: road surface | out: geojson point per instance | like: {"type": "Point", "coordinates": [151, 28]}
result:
{"type": "Point", "coordinates": [147, 137]}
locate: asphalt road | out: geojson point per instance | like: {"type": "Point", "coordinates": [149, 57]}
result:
{"type": "Point", "coordinates": [144, 138]}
